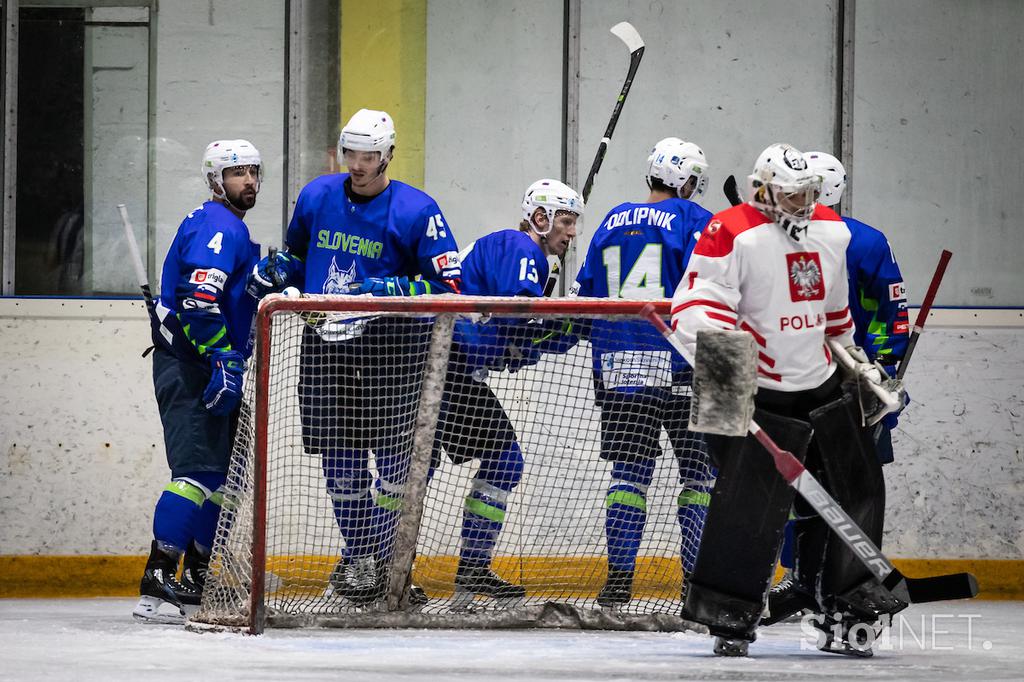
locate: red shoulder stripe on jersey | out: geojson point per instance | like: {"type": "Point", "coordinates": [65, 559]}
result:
{"type": "Point", "coordinates": [836, 331]}
{"type": "Point", "coordinates": [824, 213]}
{"type": "Point", "coordinates": [770, 375]}
{"type": "Point", "coordinates": [731, 321]}
{"type": "Point", "coordinates": [717, 238]}
{"type": "Point", "coordinates": [837, 315]}
{"type": "Point", "coordinates": [765, 359]}
{"type": "Point", "coordinates": [705, 302]}
{"type": "Point", "coordinates": [753, 332]}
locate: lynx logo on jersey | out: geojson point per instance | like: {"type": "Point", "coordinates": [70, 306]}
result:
{"type": "Point", "coordinates": [337, 279]}
{"type": "Point", "coordinates": [211, 276]}
{"type": "Point", "coordinates": [805, 276]}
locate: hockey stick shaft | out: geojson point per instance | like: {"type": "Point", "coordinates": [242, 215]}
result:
{"type": "Point", "coordinates": [792, 470]}
{"type": "Point", "coordinates": [922, 314]}
{"type": "Point", "coordinates": [133, 248]}
{"type": "Point", "coordinates": [629, 35]}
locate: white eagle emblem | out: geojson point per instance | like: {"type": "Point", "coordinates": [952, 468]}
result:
{"type": "Point", "coordinates": [337, 279]}
{"type": "Point", "coordinates": [806, 276]}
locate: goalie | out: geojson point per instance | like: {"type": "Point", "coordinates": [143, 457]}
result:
{"type": "Point", "coordinates": [775, 267]}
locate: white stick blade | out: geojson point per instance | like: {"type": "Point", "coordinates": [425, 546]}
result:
{"type": "Point", "coordinates": [629, 35]}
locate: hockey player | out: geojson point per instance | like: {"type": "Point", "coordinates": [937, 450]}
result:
{"type": "Point", "coordinates": [202, 338]}
{"type": "Point", "coordinates": [878, 305]}
{"type": "Point", "coordinates": [472, 423]}
{"type": "Point", "coordinates": [776, 268]}
{"type": "Point", "coordinates": [640, 251]}
{"type": "Point", "coordinates": [362, 232]}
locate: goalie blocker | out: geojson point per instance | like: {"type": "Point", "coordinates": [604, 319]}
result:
{"type": "Point", "coordinates": [751, 500]}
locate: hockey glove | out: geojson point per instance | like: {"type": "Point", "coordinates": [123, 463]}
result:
{"type": "Point", "coordinates": [879, 394]}
{"type": "Point", "coordinates": [893, 418]}
{"type": "Point", "coordinates": [274, 273]}
{"type": "Point", "coordinates": [224, 392]}
{"type": "Point", "coordinates": [389, 286]}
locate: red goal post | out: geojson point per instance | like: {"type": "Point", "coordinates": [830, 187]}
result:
{"type": "Point", "coordinates": [276, 541]}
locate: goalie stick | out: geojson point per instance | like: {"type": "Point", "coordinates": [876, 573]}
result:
{"type": "Point", "coordinates": [625, 32]}
{"type": "Point", "coordinates": [909, 590]}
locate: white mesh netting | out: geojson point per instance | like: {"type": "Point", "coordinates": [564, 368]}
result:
{"type": "Point", "coordinates": [522, 520]}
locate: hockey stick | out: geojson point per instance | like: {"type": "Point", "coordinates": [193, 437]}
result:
{"type": "Point", "coordinates": [909, 590]}
{"type": "Point", "coordinates": [922, 314]}
{"type": "Point", "coordinates": [732, 192]}
{"type": "Point", "coordinates": [140, 269]}
{"type": "Point", "coordinates": [625, 32]}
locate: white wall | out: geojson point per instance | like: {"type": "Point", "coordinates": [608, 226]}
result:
{"type": "Point", "coordinates": [82, 460]}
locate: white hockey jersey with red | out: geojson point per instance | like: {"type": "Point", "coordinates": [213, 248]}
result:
{"type": "Point", "coordinates": [746, 273]}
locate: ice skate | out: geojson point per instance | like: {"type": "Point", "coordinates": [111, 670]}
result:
{"type": "Point", "coordinates": [162, 599]}
{"type": "Point", "coordinates": [617, 590]}
{"type": "Point", "coordinates": [471, 581]}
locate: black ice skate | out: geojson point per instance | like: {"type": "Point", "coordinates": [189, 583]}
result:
{"type": "Point", "coordinates": [357, 579]}
{"type": "Point", "coordinates": [788, 601]}
{"type": "Point", "coordinates": [481, 580]}
{"type": "Point", "coordinates": [195, 565]}
{"type": "Point", "coordinates": [725, 646]}
{"type": "Point", "coordinates": [848, 636]}
{"type": "Point", "coordinates": [617, 590]}
{"type": "Point", "coordinates": [162, 599]}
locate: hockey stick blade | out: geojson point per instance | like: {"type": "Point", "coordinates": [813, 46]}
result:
{"type": "Point", "coordinates": [908, 590]}
{"type": "Point", "coordinates": [732, 192]}
{"type": "Point", "coordinates": [629, 35]}
{"type": "Point", "coordinates": [137, 264]}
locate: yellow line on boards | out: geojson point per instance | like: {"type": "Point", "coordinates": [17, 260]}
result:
{"type": "Point", "coordinates": [581, 577]}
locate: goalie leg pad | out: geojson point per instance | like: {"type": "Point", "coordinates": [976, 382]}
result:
{"type": "Point", "coordinates": [725, 615]}
{"type": "Point", "coordinates": [853, 475]}
{"type": "Point", "coordinates": [749, 507]}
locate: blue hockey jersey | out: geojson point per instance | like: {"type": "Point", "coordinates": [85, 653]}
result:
{"type": "Point", "coordinates": [399, 232]}
{"type": "Point", "coordinates": [203, 284]}
{"type": "Point", "coordinates": [639, 251]}
{"type": "Point", "coordinates": [503, 263]}
{"type": "Point", "coordinates": [878, 297]}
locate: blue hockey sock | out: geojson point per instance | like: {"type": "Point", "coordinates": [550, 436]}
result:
{"type": "Point", "coordinates": [691, 512]}
{"type": "Point", "coordinates": [626, 512]}
{"type": "Point", "coordinates": [484, 511]}
{"type": "Point", "coordinates": [177, 509]}
{"type": "Point", "coordinates": [349, 485]}
{"type": "Point", "coordinates": [207, 518]}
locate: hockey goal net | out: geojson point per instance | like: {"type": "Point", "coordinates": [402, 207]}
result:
{"type": "Point", "coordinates": [448, 441]}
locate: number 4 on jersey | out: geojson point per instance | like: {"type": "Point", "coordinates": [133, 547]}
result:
{"type": "Point", "coordinates": [215, 244]}
{"type": "Point", "coordinates": [643, 280]}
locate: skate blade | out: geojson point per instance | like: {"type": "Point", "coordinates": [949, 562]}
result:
{"type": "Point", "coordinates": [155, 611]}
{"type": "Point", "coordinates": [846, 650]}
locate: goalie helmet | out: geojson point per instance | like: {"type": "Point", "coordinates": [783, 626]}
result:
{"type": "Point", "coordinates": [552, 196]}
{"type": "Point", "coordinates": [785, 188]}
{"type": "Point", "coordinates": [833, 176]}
{"type": "Point", "coordinates": [368, 131]}
{"type": "Point", "coordinates": [673, 162]}
{"type": "Point", "coordinates": [224, 154]}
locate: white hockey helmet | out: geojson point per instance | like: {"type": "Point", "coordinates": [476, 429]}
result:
{"type": "Point", "coordinates": [785, 188]}
{"type": "Point", "coordinates": [368, 131]}
{"type": "Point", "coordinates": [552, 196]}
{"type": "Point", "coordinates": [833, 176]}
{"type": "Point", "coordinates": [673, 162]}
{"type": "Point", "coordinates": [223, 154]}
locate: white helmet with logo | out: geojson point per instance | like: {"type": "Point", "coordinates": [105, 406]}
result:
{"type": "Point", "coordinates": [785, 188]}
{"type": "Point", "coordinates": [229, 154]}
{"type": "Point", "coordinates": [833, 176]}
{"type": "Point", "coordinates": [674, 162]}
{"type": "Point", "coordinates": [552, 196]}
{"type": "Point", "coordinates": [368, 131]}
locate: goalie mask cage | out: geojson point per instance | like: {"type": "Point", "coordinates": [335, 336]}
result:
{"type": "Point", "coordinates": [386, 441]}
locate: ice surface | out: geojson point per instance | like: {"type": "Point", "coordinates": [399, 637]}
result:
{"type": "Point", "coordinates": [96, 639]}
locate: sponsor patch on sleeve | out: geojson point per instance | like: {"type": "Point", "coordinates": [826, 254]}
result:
{"type": "Point", "coordinates": [897, 291]}
{"type": "Point", "coordinates": [447, 263]}
{"type": "Point", "coordinates": [212, 276]}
